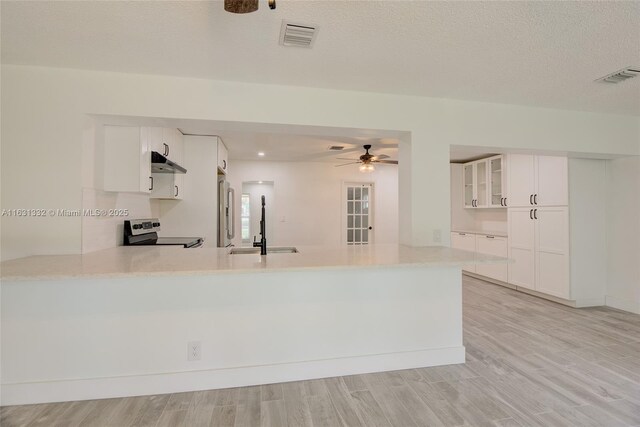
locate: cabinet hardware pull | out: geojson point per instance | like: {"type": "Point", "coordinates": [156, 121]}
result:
{"type": "Point", "coordinates": [166, 149]}
{"type": "Point", "coordinates": [462, 234]}
{"type": "Point", "coordinates": [224, 164]}
{"type": "Point", "coordinates": [531, 199]}
{"type": "Point", "coordinates": [505, 201]}
{"type": "Point", "coordinates": [531, 213]}
{"type": "Point", "coordinates": [535, 199]}
{"type": "Point", "coordinates": [535, 213]}
{"type": "Point", "coordinates": [176, 191]}
{"type": "Point", "coordinates": [151, 181]}
{"type": "Point", "coordinates": [502, 201]}
{"type": "Point", "coordinates": [490, 237]}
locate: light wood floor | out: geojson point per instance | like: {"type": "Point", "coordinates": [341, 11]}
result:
{"type": "Point", "coordinates": [530, 362]}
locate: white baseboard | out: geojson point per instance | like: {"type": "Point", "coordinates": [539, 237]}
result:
{"type": "Point", "coordinates": [139, 385]}
{"type": "Point", "coordinates": [624, 305]}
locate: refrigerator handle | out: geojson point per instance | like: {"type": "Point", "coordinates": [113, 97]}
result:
{"type": "Point", "coordinates": [231, 233]}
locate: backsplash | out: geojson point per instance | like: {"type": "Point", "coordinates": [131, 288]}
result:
{"type": "Point", "coordinates": [103, 232]}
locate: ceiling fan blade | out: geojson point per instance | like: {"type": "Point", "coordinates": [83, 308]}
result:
{"type": "Point", "coordinates": [380, 157]}
{"type": "Point", "coordinates": [346, 164]}
{"type": "Point", "coordinates": [328, 153]}
{"type": "Point", "coordinates": [344, 158]}
{"type": "Point", "coordinates": [388, 162]}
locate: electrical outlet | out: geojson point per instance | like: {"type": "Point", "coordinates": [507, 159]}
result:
{"type": "Point", "coordinates": [194, 351]}
{"type": "Point", "coordinates": [437, 236]}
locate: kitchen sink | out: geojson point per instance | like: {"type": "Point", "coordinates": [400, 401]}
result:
{"type": "Point", "coordinates": [270, 250]}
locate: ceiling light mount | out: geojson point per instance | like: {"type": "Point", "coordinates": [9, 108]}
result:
{"type": "Point", "coordinates": [245, 6]}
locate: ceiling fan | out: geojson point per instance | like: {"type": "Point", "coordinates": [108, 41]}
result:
{"type": "Point", "coordinates": [367, 160]}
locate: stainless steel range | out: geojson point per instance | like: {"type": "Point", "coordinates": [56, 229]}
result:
{"type": "Point", "coordinates": [144, 232]}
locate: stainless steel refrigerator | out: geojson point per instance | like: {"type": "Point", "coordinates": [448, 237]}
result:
{"type": "Point", "coordinates": [226, 221]}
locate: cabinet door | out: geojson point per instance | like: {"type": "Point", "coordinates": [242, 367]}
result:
{"type": "Point", "coordinates": [168, 143]}
{"type": "Point", "coordinates": [521, 180]}
{"type": "Point", "coordinates": [552, 178]}
{"type": "Point", "coordinates": [154, 138]}
{"type": "Point", "coordinates": [177, 151]}
{"type": "Point", "coordinates": [552, 251]}
{"type": "Point", "coordinates": [467, 182]}
{"type": "Point", "coordinates": [492, 245]}
{"type": "Point", "coordinates": [496, 182]}
{"type": "Point", "coordinates": [482, 184]}
{"type": "Point", "coordinates": [465, 242]}
{"type": "Point", "coordinates": [521, 247]}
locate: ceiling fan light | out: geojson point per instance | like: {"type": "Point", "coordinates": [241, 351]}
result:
{"type": "Point", "coordinates": [367, 168]}
{"type": "Point", "coordinates": [240, 6]}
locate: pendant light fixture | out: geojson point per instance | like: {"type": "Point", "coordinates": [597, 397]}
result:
{"type": "Point", "coordinates": [245, 6]}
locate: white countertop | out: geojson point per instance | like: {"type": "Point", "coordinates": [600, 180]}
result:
{"type": "Point", "coordinates": [127, 261]}
{"type": "Point", "coordinates": [482, 233]}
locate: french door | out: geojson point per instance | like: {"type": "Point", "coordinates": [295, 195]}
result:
{"type": "Point", "coordinates": [358, 213]}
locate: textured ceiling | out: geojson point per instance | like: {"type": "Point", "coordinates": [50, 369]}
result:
{"type": "Point", "coordinates": [530, 53]}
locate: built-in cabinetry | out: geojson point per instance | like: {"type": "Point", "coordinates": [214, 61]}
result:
{"type": "Point", "coordinates": [223, 157]}
{"type": "Point", "coordinates": [483, 243]}
{"type": "Point", "coordinates": [485, 183]}
{"type": "Point", "coordinates": [555, 226]}
{"type": "Point", "coordinates": [168, 185]}
{"type": "Point", "coordinates": [127, 160]}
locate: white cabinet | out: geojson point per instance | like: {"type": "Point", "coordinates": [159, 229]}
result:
{"type": "Point", "coordinates": [166, 141]}
{"type": "Point", "coordinates": [223, 157]}
{"type": "Point", "coordinates": [492, 245]}
{"type": "Point", "coordinates": [537, 181]}
{"type": "Point", "coordinates": [539, 248]}
{"type": "Point", "coordinates": [169, 185]}
{"type": "Point", "coordinates": [127, 160]}
{"type": "Point", "coordinates": [484, 183]}
{"type": "Point", "coordinates": [465, 242]}
{"type": "Point", "coordinates": [497, 181]}
{"type": "Point", "coordinates": [521, 246]}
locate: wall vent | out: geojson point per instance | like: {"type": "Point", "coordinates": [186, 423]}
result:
{"type": "Point", "coordinates": [336, 148]}
{"type": "Point", "coordinates": [298, 35]}
{"type": "Point", "coordinates": [621, 75]}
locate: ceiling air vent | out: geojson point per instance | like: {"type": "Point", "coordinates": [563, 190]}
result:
{"type": "Point", "coordinates": [621, 75]}
{"type": "Point", "coordinates": [336, 148]}
{"type": "Point", "coordinates": [298, 35]}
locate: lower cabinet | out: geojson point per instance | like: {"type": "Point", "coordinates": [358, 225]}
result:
{"type": "Point", "coordinates": [465, 242]}
{"type": "Point", "coordinates": [492, 245]}
{"type": "Point", "coordinates": [539, 248]}
{"type": "Point", "coordinates": [485, 244]}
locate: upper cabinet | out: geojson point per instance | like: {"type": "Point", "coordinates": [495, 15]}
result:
{"type": "Point", "coordinates": [537, 181]}
{"type": "Point", "coordinates": [484, 183]}
{"type": "Point", "coordinates": [127, 160]}
{"type": "Point", "coordinates": [223, 157]}
{"type": "Point", "coordinates": [168, 185]}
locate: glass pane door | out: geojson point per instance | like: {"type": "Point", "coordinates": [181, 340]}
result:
{"type": "Point", "coordinates": [496, 181]}
{"type": "Point", "coordinates": [358, 214]}
{"type": "Point", "coordinates": [468, 185]}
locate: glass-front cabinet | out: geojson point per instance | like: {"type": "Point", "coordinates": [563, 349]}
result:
{"type": "Point", "coordinates": [497, 184]}
{"type": "Point", "coordinates": [469, 188]}
{"type": "Point", "coordinates": [484, 183]}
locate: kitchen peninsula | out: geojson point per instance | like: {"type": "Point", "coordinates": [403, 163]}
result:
{"type": "Point", "coordinates": [131, 314]}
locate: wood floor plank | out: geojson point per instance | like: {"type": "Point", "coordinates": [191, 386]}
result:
{"type": "Point", "coordinates": [530, 363]}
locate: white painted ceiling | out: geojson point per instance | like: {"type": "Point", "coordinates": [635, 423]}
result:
{"type": "Point", "coordinates": [521, 52]}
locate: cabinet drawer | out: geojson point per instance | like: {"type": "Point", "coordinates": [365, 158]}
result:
{"type": "Point", "coordinates": [465, 242]}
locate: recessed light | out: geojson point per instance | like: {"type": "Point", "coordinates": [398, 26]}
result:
{"type": "Point", "coordinates": [261, 154]}
{"type": "Point", "coordinates": [259, 182]}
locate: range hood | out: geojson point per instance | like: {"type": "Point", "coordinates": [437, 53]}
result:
{"type": "Point", "coordinates": [160, 164]}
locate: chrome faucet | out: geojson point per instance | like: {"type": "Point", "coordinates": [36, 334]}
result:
{"type": "Point", "coordinates": [263, 238]}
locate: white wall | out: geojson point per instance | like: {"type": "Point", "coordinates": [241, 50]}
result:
{"type": "Point", "coordinates": [44, 115]}
{"type": "Point", "coordinates": [623, 234]}
{"type": "Point", "coordinates": [309, 196]}
{"type": "Point", "coordinates": [486, 220]}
